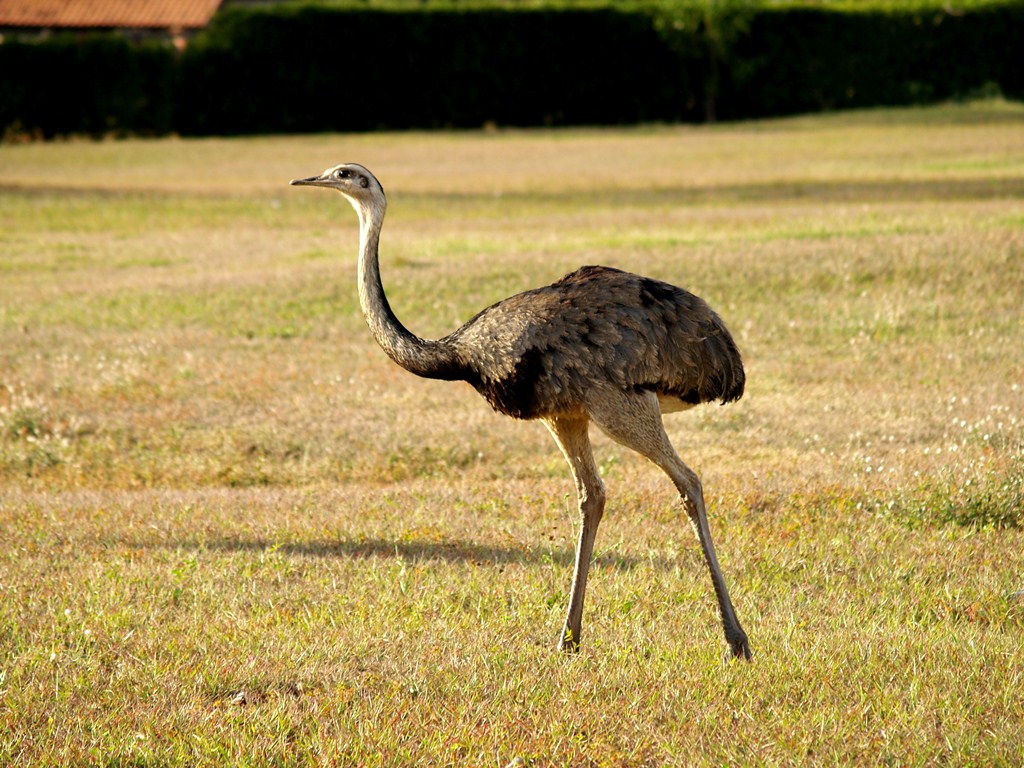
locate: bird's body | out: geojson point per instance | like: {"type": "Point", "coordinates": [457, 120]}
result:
{"type": "Point", "coordinates": [598, 345]}
{"type": "Point", "coordinates": [537, 354]}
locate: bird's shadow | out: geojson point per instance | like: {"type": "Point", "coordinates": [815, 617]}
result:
{"type": "Point", "coordinates": [418, 551]}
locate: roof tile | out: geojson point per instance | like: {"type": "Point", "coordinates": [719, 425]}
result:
{"type": "Point", "coordinates": [172, 14]}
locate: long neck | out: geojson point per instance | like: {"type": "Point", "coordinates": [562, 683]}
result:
{"type": "Point", "coordinates": [432, 359]}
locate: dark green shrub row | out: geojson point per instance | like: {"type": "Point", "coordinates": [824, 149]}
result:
{"type": "Point", "coordinates": [804, 60]}
{"type": "Point", "coordinates": [97, 85]}
{"type": "Point", "coordinates": [316, 68]}
{"type": "Point", "coordinates": [310, 69]}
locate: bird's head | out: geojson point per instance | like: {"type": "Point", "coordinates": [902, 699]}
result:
{"type": "Point", "coordinates": [353, 181]}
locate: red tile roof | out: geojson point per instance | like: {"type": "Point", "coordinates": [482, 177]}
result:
{"type": "Point", "coordinates": [171, 14]}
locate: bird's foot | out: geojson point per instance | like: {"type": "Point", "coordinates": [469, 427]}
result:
{"type": "Point", "coordinates": [568, 642]}
{"type": "Point", "coordinates": [739, 646]}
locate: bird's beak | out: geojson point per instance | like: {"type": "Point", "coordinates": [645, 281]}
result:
{"type": "Point", "coordinates": [312, 181]}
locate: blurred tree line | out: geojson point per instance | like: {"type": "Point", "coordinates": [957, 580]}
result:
{"type": "Point", "coordinates": [300, 67]}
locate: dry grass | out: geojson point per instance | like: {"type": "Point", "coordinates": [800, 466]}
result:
{"type": "Point", "coordinates": [236, 534]}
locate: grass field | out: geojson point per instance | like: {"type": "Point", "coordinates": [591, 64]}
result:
{"type": "Point", "coordinates": [235, 534]}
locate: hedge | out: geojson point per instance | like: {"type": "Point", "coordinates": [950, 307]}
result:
{"type": "Point", "coordinates": [99, 85]}
{"type": "Point", "coordinates": [311, 69]}
{"type": "Point", "coordinates": [302, 68]}
{"type": "Point", "coordinates": [805, 60]}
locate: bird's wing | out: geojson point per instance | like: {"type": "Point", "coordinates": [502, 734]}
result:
{"type": "Point", "coordinates": [539, 352]}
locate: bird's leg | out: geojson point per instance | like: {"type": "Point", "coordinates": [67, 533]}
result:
{"type": "Point", "coordinates": [693, 500]}
{"type": "Point", "coordinates": [634, 420]}
{"type": "Point", "coordinates": [571, 435]}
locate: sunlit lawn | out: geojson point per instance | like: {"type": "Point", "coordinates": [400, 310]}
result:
{"type": "Point", "coordinates": [236, 534]}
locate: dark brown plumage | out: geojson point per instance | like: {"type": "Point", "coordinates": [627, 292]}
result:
{"type": "Point", "coordinates": [537, 353]}
{"type": "Point", "coordinates": [599, 345]}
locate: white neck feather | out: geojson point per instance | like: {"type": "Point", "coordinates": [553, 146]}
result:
{"type": "Point", "coordinates": [432, 359]}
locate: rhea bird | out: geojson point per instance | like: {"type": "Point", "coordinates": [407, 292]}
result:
{"type": "Point", "coordinates": [599, 345]}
